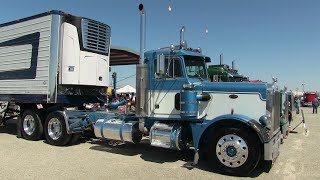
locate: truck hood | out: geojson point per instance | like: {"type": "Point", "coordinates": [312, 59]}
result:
{"type": "Point", "coordinates": [234, 87]}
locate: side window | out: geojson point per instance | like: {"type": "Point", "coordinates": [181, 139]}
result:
{"type": "Point", "coordinates": [155, 66]}
{"type": "Point", "coordinates": [172, 68]}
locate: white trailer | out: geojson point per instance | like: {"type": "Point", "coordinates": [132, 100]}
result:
{"type": "Point", "coordinates": [49, 62]}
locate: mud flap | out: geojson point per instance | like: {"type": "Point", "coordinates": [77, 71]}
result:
{"type": "Point", "coordinates": [19, 135]}
{"type": "Point", "coordinates": [271, 149]}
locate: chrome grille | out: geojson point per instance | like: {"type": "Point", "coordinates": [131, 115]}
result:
{"type": "Point", "coordinates": [95, 36]}
{"type": "Point", "coordinates": [276, 110]}
{"type": "Point", "coordinates": [273, 108]}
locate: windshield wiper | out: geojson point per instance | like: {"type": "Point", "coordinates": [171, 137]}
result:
{"type": "Point", "coordinates": [199, 76]}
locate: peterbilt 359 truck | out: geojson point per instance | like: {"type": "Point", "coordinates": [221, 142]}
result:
{"type": "Point", "coordinates": [233, 126]}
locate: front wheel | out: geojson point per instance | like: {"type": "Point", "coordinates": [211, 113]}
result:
{"type": "Point", "coordinates": [234, 150]}
{"type": "Point", "coordinates": [55, 129]}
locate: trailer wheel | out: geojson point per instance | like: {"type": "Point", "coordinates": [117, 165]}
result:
{"type": "Point", "coordinates": [55, 129]}
{"type": "Point", "coordinates": [234, 150]}
{"type": "Point", "coordinates": [31, 125]}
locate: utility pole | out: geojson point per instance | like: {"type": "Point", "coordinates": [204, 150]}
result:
{"type": "Point", "coordinates": [303, 87]}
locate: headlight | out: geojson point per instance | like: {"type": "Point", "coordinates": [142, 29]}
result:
{"type": "Point", "coordinates": [265, 121]}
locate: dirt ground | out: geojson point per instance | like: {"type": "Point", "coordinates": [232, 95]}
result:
{"type": "Point", "coordinates": [93, 159]}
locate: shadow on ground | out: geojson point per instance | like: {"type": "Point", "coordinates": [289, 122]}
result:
{"type": "Point", "coordinates": [145, 151]}
{"type": "Point", "coordinates": [9, 127]}
{"type": "Point", "coordinates": [161, 155]}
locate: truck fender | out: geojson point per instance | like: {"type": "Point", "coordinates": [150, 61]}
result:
{"type": "Point", "coordinates": [198, 130]}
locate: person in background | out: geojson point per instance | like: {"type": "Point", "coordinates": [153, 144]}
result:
{"type": "Point", "coordinates": [298, 104]}
{"type": "Point", "coordinates": [290, 118]}
{"type": "Point", "coordinates": [315, 104]}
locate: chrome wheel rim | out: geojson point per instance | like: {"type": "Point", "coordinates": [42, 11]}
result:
{"type": "Point", "coordinates": [232, 150]}
{"type": "Point", "coordinates": [29, 125]}
{"type": "Point", "coordinates": [54, 128]}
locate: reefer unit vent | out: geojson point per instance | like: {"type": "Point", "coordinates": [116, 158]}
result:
{"type": "Point", "coordinates": [95, 36]}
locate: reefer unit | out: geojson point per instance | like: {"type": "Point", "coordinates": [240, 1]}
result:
{"type": "Point", "coordinates": [54, 57]}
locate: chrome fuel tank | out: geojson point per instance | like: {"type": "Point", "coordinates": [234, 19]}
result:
{"type": "Point", "coordinates": [117, 130]}
{"type": "Point", "coordinates": [166, 136]}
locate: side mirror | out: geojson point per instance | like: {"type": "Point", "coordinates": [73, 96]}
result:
{"type": "Point", "coordinates": [160, 71]}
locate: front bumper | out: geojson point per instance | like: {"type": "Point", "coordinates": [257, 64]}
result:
{"type": "Point", "coordinates": [271, 148]}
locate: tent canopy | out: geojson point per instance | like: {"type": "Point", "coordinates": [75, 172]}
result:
{"type": "Point", "coordinates": [126, 89]}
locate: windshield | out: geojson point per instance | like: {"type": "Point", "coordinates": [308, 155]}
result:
{"type": "Point", "coordinates": [195, 67]}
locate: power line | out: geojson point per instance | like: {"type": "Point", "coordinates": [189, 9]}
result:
{"type": "Point", "coordinates": [126, 78]}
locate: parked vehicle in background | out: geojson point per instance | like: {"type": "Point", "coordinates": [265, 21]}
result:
{"type": "Point", "coordinates": [308, 98]}
{"type": "Point", "coordinates": [218, 73]}
{"type": "Point", "coordinates": [223, 73]}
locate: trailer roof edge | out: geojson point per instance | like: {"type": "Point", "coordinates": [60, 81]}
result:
{"type": "Point", "coordinates": [35, 17]}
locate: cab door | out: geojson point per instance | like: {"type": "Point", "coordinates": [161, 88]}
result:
{"type": "Point", "coordinates": [164, 87]}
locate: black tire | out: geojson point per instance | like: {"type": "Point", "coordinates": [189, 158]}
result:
{"type": "Point", "coordinates": [136, 134]}
{"type": "Point", "coordinates": [31, 131]}
{"type": "Point", "coordinates": [56, 137]}
{"type": "Point", "coordinates": [241, 162]}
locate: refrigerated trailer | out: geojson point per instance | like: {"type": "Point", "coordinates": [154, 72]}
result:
{"type": "Point", "coordinates": [48, 62]}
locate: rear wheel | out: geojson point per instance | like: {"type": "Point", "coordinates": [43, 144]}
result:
{"type": "Point", "coordinates": [31, 125]}
{"type": "Point", "coordinates": [234, 150]}
{"type": "Point", "coordinates": [55, 129]}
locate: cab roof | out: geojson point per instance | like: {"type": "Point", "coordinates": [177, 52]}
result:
{"type": "Point", "coordinates": [179, 52]}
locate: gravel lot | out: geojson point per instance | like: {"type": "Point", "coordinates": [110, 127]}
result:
{"type": "Point", "coordinates": [93, 159]}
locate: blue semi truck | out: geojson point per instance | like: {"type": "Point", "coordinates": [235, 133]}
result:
{"type": "Point", "coordinates": [233, 126]}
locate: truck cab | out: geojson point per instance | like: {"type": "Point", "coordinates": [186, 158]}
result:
{"type": "Point", "coordinates": [232, 124]}
{"type": "Point", "coordinates": [169, 71]}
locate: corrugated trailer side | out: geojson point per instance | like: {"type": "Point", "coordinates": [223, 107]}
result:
{"type": "Point", "coordinates": [25, 59]}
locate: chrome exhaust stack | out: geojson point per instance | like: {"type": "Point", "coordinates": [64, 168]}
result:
{"type": "Point", "coordinates": [142, 76]}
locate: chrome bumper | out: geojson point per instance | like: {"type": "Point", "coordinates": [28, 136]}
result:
{"type": "Point", "coordinates": [271, 148]}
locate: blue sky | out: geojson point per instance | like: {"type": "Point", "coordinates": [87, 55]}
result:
{"type": "Point", "coordinates": [278, 38]}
